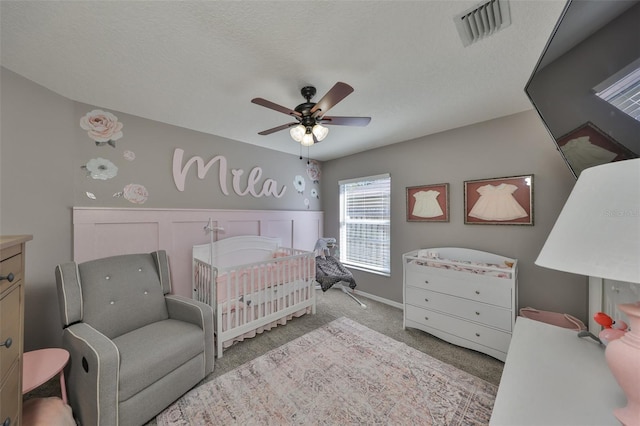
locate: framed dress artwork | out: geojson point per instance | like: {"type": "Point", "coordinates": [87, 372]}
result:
{"type": "Point", "coordinates": [499, 201]}
{"type": "Point", "coordinates": [588, 146]}
{"type": "Point", "coordinates": [428, 203]}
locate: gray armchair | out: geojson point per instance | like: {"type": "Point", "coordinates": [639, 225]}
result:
{"type": "Point", "coordinates": [134, 347]}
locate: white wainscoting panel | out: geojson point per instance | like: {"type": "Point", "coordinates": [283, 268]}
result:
{"type": "Point", "coordinates": [101, 232]}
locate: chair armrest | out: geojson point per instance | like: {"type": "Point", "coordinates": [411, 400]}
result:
{"type": "Point", "coordinates": [201, 314]}
{"type": "Point", "coordinates": [93, 368]}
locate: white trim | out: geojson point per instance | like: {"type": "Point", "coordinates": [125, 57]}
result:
{"type": "Point", "coordinates": [80, 290]}
{"type": "Point", "coordinates": [379, 299]}
{"type": "Point", "coordinates": [366, 269]}
{"type": "Point", "coordinates": [596, 299]}
{"type": "Point", "coordinates": [64, 296]}
{"type": "Point", "coordinates": [363, 178]}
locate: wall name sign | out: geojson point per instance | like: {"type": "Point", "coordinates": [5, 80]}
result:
{"type": "Point", "coordinates": [269, 186]}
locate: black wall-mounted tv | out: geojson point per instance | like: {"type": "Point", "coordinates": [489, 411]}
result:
{"type": "Point", "coordinates": [592, 43]}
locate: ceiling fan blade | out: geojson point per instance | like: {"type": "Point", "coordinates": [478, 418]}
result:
{"type": "Point", "coordinates": [277, 129]}
{"type": "Point", "coordinates": [345, 121]}
{"type": "Point", "coordinates": [337, 93]}
{"type": "Point", "coordinates": [268, 104]}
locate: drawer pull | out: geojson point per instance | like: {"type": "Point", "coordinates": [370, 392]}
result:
{"type": "Point", "coordinates": [427, 318]}
{"type": "Point", "coordinates": [426, 281]}
{"type": "Point", "coordinates": [7, 422]}
{"type": "Point", "coordinates": [477, 334]}
{"type": "Point", "coordinates": [9, 278]}
{"type": "Point", "coordinates": [426, 300]}
{"type": "Point", "coordinates": [7, 342]}
{"type": "Point", "coordinates": [477, 292]}
{"type": "Point", "coordinates": [477, 313]}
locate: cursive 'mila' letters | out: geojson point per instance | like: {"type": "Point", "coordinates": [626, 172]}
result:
{"type": "Point", "coordinates": [269, 186]}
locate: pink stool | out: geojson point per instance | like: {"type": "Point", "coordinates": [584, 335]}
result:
{"type": "Point", "coordinates": [41, 365]}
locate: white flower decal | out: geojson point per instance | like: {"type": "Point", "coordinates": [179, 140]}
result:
{"type": "Point", "coordinates": [314, 193]}
{"type": "Point", "coordinates": [91, 195]}
{"type": "Point", "coordinates": [129, 155]}
{"type": "Point", "coordinates": [137, 194]}
{"type": "Point", "coordinates": [299, 183]}
{"type": "Point", "coordinates": [306, 202]}
{"type": "Point", "coordinates": [313, 170]}
{"type": "Point", "coordinates": [100, 168]}
{"type": "Point", "coordinates": [102, 127]}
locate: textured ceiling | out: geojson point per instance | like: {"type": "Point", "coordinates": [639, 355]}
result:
{"type": "Point", "coordinates": [198, 64]}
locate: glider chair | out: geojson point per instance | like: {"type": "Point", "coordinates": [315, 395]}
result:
{"type": "Point", "coordinates": [134, 348]}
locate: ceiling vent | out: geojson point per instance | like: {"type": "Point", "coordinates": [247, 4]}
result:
{"type": "Point", "coordinates": [483, 20]}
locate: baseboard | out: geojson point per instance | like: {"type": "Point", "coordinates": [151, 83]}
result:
{"type": "Point", "coordinates": [378, 299]}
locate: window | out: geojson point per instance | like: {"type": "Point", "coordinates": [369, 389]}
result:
{"type": "Point", "coordinates": [365, 213]}
{"type": "Point", "coordinates": [622, 90]}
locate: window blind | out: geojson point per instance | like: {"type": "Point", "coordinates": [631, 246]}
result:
{"type": "Point", "coordinates": [624, 92]}
{"type": "Point", "coordinates": [365, 214]}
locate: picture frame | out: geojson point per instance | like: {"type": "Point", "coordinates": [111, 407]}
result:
{"type": "Point", "coordinates": [499, 201]}
{"type": "Point", "coordinates": [587, 146]}
{"type": "Point", "coordinates": [428, 203]}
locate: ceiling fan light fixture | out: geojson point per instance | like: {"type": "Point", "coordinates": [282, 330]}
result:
{"type": "Point", "coordinates": [297, 132]}
{"type": "Point", "coordinates": [308, 130]}
{"type": "Point", "coordinates": [320, 132]}
{"type": "Point", "coordinates": [307, 139]}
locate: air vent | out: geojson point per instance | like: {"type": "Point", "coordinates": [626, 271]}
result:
{"type": "Point", "coordinates": [483, 20]}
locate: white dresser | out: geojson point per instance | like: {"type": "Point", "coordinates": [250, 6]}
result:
{"type": "Point", "coordinates": [466, 297]}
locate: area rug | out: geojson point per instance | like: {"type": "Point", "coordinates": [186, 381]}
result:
{"type": "Point", "coordinates": [341, 373]}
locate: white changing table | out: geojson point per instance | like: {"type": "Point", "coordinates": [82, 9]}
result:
{"type": "Point", "coordinates": [553, 377]}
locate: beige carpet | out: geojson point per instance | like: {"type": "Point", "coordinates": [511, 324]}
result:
{"type": "Point", "coordinates": [339, 373]}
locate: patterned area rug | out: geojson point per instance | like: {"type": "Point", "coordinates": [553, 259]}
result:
{"type": "Point", "coordinates": [341, 373]}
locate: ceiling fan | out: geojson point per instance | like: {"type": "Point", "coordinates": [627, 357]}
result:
{"type": "Point", "coordinates": [310, 116]}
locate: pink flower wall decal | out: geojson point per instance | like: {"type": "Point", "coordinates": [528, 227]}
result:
{"type": "Point", "coordinates": [103, 127]}
{"type": "Point", "coordinates": [135, 193]}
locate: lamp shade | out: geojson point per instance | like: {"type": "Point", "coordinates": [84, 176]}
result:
{"type": "Point", "coordinates": [307, 139]}
{"type": "Point", "coordinates": [598, 231]}
{"type": "Point", "coordinates": [320, 132]}
{"type": "Point", "coordinates": [297, 132]}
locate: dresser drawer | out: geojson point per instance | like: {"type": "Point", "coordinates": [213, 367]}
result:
{"type": "Point", "coordinates": [496, 291]}
{"type": "Point", "coordinates": [473, 332]}
{"type": "Point", "coordinates": [11, 264]}
{"type": "Point", "coordinates": [483, 313]}
{"type": "Point", "coordinates": [10, 394]}
{"type": "Point", "coordinates": [10, 328]}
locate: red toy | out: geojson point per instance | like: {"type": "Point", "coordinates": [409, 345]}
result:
{"type": "Point", "coordinates": [612, 329]}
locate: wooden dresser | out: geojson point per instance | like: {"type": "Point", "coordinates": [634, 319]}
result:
{"type": "Point", "coordinates": [12, 257]}
{"type": "Point", "coordinates": [466, 297]}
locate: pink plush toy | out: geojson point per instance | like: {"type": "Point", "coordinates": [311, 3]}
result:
{"type": "Point", "coordinates": [612, 329]}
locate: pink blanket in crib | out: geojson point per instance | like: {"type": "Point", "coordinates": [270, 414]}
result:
{"type": "Point", "coordinates": [236, 283]}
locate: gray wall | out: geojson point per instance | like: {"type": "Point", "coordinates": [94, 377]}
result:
{"type": "Point", "coordinates": [154, 143]}
{"type": "Point", "coordinates": [36, 193]}
{"type": "Point", "coordinates": [41, 153]}
{"type": "Point", "coordinates": [509, 146]}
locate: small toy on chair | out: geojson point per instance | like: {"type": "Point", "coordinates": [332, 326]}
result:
{"type": "Point", "coordinates": [612, 329]}
{"type": "Point", "coordinates": [324, 245]}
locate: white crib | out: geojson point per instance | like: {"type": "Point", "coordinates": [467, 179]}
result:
{"type": "Point", "coordinates": [253, 284]}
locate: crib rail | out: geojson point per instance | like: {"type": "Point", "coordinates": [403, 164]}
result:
{"type": "Point", "coordinates": [249, 296]}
